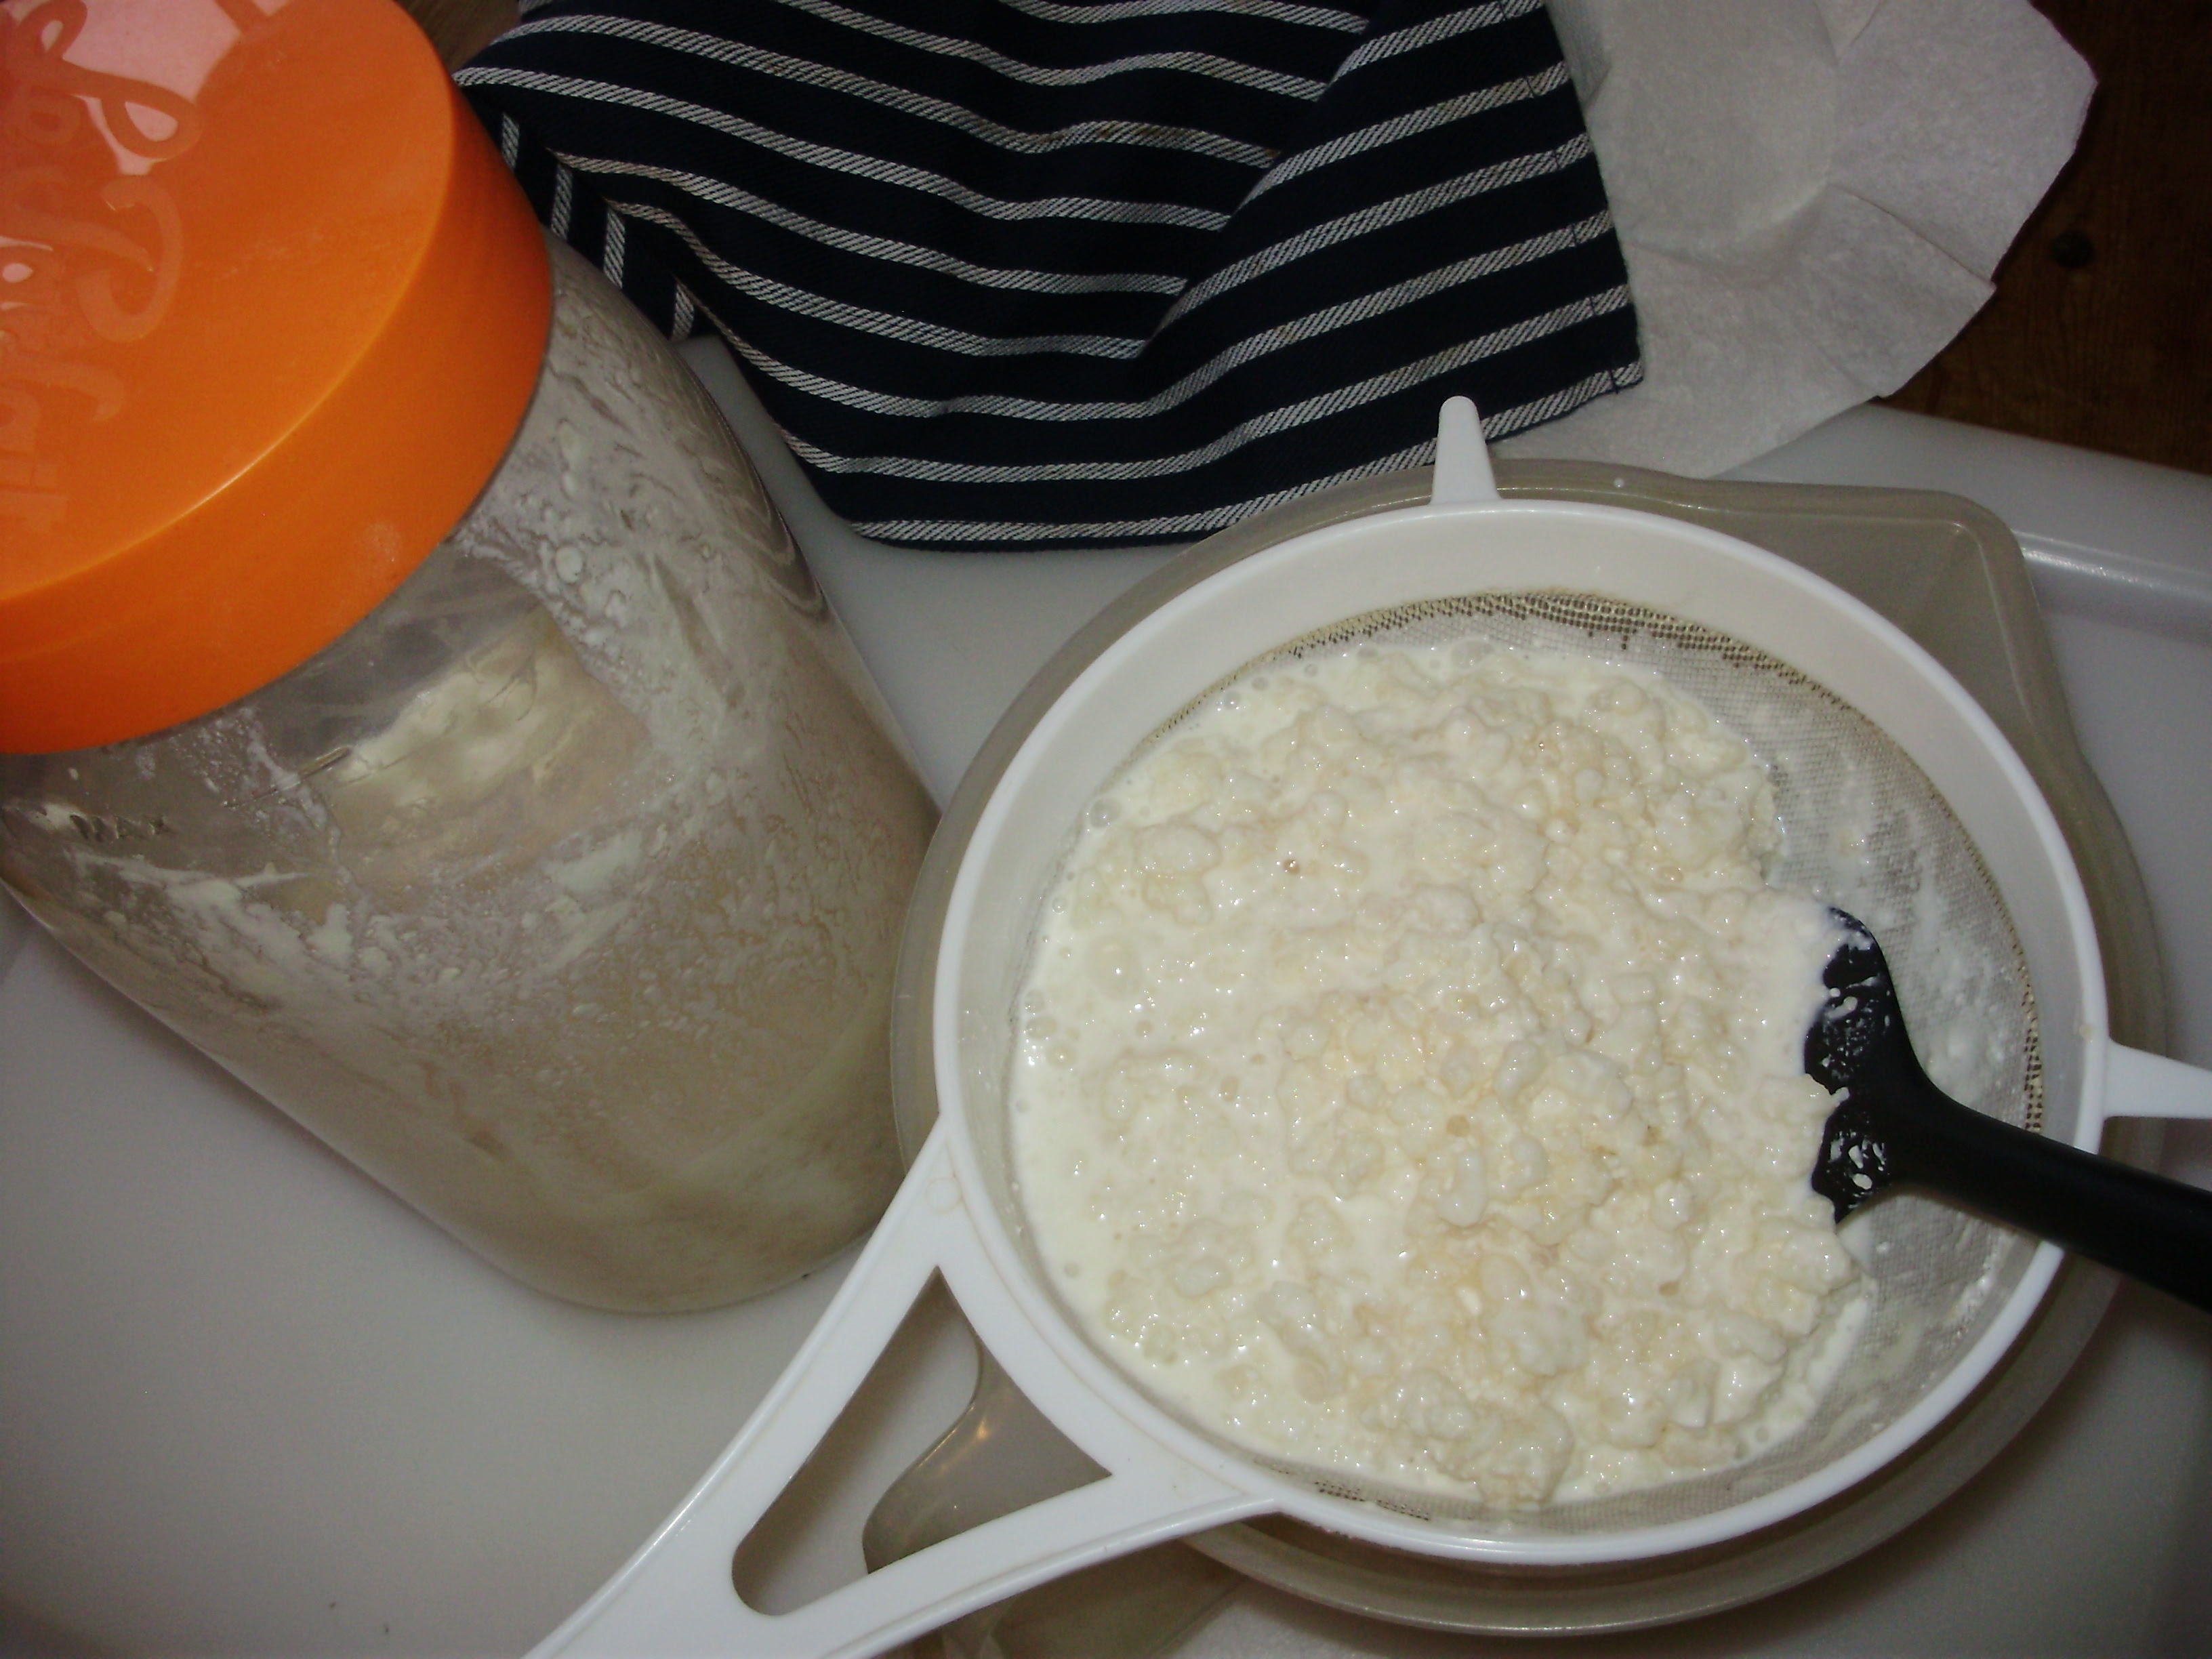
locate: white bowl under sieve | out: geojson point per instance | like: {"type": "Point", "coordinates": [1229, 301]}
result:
{"type": "Point", "coordinates": [1733, 624]}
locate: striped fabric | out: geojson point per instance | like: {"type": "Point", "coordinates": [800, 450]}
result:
{"type": "Point", "coordinates": [1028, 273]}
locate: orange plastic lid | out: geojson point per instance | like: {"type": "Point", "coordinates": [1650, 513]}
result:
{"type": "Point", "coordinates": [270, 311]}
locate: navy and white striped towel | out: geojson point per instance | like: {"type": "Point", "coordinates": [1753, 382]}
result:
{"type": "Point", "coordinates": [1029, 273]}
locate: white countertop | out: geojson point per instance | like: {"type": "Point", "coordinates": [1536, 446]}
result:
{"type": "Point", "coordinates": [250, 1405]}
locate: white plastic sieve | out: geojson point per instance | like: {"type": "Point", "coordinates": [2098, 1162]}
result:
{"type": "Point", "coordinates": [959, 1216]}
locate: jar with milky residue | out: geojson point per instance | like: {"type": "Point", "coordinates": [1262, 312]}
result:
{"type": "Point", "coordinates": [561, 893]}
{"type": "Point", "coordinates": [408, 692]}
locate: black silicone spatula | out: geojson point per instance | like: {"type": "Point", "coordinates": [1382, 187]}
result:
{"type": "Point", "coordinates": [1891, 1125]}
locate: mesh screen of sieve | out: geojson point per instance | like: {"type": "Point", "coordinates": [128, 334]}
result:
{"type": "Point", "coordinates": [1865, 828]}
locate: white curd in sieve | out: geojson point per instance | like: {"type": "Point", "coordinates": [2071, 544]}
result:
{"type": "Point", "coordinates": [1410, 1079]}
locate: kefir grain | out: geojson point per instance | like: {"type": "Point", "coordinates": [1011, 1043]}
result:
{"type": "Point", "coordinates": [1410, 1079]}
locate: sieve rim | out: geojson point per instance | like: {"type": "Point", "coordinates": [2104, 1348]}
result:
{"type": "Point", "coordinates": [1053, 1323]}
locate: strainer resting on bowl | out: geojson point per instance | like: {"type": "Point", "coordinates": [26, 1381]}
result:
{"type": "Point", "coordinates": [1900, 802]}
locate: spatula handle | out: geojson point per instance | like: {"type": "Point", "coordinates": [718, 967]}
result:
{"type": "Point", "coordinates": [2146, 1227]}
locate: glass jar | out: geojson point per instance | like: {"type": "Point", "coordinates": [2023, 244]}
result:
{"type": "Point", "coordinates": [560, 891]}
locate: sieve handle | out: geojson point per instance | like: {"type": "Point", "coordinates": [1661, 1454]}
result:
{"type": "Point", "coordinates": [2138, 1084]}
{"type": "Point", "coordinates": [2148, 1227]}
{"type": "Point", "coordinates": [676, 1596]}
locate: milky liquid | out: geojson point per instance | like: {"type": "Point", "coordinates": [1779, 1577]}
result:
{"type": "Point", "coordinates": [1410, 1079]}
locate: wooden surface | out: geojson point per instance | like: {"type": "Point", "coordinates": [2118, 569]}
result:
{"type": "Point", "coordinates": [2100, 333]}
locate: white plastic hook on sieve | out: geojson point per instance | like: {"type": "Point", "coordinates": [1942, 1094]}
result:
{"type": "Point", "coordinates": [957, 1214]}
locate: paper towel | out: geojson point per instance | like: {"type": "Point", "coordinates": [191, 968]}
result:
{"type": "Point", "coordinates": [1812, 195]}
